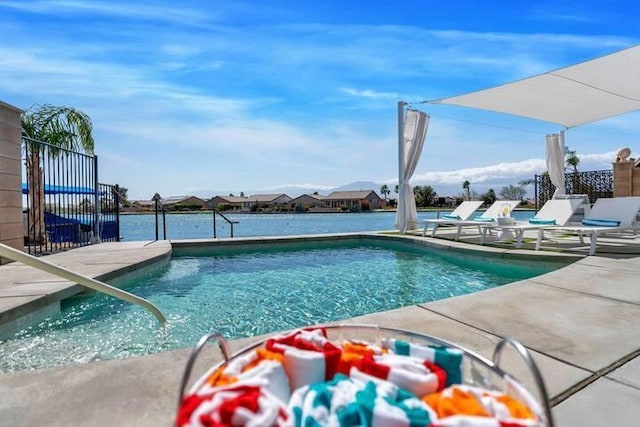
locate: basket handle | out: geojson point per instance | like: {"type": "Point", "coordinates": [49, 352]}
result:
{"type": "Point", "coordinates": [533, 368]}
{"type": "Point", "coordinates": [224, 348]}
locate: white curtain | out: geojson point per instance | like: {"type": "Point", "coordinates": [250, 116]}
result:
{"type": "Point", "coordinates": [415, 131]}
{"type": "Point", "coordinates": [555, 161]}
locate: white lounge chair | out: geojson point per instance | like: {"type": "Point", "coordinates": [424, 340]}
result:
{"type": "Point", "coordinates": [554, 212]}
{"type": "Point", "coordinates": [461, 213]}
{"type": "Point", "coordinates": [606, 216]}
{"type": "Point", "coordinates": [488, 217]}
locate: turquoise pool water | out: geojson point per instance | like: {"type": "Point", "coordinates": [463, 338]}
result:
{"type": "Point", "coordinates": [250, 291]}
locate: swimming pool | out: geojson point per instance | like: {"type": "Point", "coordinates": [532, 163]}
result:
{"type": "Point", "coordinates": [244, 291]}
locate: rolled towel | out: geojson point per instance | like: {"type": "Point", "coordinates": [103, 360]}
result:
{"type": "Point", "coordinates": [259, 367]}
{"type": "Point", "coordinates": [309, 356]}
{"type": "Point", "coordinates": [462, 405]}
{"type": "Point", "coordinates": [417, 376]}
{"type": "Point", "coordinates": [451, 216]}
{"type": "Point", "coordinates": [350, 401]}
{"type": "Point", "coordinates": [236, 404]}
{"type": "Point", "coordinates": [601, 222]}
{"type": "Point", "coordinates": [484, 219]}
{"type": "Point", "coordinates": [449, 359]}
{"type": "Point", "coordinates": [542, 221]}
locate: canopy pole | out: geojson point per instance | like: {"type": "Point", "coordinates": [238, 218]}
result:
{"type": "Point", "coordinates": [401, 153]}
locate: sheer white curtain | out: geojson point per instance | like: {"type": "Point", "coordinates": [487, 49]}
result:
{"type": "Point", "coordinates": [410, 147]}
{"type": "Point", "coordinates": [555, 161]}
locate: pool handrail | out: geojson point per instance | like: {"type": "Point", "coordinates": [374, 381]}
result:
{"type": "Point", "coordinates": [48, 267]}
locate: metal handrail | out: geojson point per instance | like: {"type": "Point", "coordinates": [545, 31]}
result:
{"type": "Point", "coordinates": [46, 266]}
{"type": "Point", "coordinates": [214, 210]}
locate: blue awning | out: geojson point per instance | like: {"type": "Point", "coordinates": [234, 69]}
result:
{"type": "Point", "coordinates": [60, 189]}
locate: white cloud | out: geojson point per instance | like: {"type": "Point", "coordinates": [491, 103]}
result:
{"type": "Point", "coordinates": [368, 93]}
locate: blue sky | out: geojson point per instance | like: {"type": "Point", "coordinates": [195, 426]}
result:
{"type": "Point", "coordinates": [198, 97]}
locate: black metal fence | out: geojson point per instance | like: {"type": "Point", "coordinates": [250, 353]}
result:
{"type": "Point", "coordinates": [595, 184]}
{"type": "Point", "coordinates": [64, 206]}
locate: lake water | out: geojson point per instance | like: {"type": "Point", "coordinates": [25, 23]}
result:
{"type": "Point", "coordinates": [200, 225]}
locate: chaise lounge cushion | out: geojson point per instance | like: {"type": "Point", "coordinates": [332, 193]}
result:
{"type": "Point", "coordinates": [601, 222]}
{"type": "Point", "coordinates": [450, 216]}
{"type": "Point", "coordinates": [542, 221]}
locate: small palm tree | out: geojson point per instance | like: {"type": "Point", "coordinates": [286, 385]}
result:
{"type": "Point", "coordinates": [466, 186]}
{"type": "Point", "coordinates": [62, 127]}
{"type": "Point", "coordinates": [572, 161]}
{"type": "Point", "coordinates": [384, 190]}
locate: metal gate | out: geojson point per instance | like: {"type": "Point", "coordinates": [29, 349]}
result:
{"type": "Point", "coordinates": [64, 206]}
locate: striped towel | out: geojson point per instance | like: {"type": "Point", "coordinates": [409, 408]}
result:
{"type": "Point", "coordinates": [309, 356]}
{"type": "Point", "coordinates": [236, 404]}
{"type": "Point", "coordinates": [449, 359]}
{"type": "Point", "coordinates": [347, 401]}
{"type": "Point", "coordinates": [260, 367]}
{"type": "Point", "coordinates": [462, 406]}
{"type": "Point", "coordinates": [417, 376]}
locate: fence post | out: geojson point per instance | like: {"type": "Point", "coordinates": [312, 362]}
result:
{"type": "Point", "coordinates": [117, 202]}
{"type": "Point", "coordinates": [96, 202]}
{"type": "Point", "coordinates": [214, 223]}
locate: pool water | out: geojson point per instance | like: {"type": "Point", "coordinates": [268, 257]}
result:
{"type": "Point", "coordinates": [254, 291]}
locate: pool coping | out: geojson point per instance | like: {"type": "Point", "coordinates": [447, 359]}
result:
{"type": "Point", "coordinates": [591, 347]}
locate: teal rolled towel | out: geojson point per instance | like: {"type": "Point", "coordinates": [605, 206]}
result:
{"type": "Point", "coordinates": [541, 221]}
{"type": "Point", "coordinates": [601, 222]}
{"type": "Point", "coordinates": [449, 216]}
{"type": "Point", "coordinates": [483, 219]}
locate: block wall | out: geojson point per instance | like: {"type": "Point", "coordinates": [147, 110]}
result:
{"type": "Point", "coordinates": [11, 228]}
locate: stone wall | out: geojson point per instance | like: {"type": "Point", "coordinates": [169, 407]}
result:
{"type": "Point", "coordinates": [11, 228]}
{"type": "Point", "coordinates": [626, 179]}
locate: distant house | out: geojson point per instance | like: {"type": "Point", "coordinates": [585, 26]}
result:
{"type": "Point", "coordinates": [350, 200]}
{"type": "Point", "coordinates": [183, 203]}
{"type": "Point", "coordinates": [308, 202]}
{"type": "Point", "coordinates": [269, 201]}
{"type": "Point", "coordinates": [140, 206]}
{"type": "Point", "coordinates": [226, 203]}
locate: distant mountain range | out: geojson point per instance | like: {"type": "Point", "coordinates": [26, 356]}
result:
{"type": "Point", "coordinates": [295, 191]}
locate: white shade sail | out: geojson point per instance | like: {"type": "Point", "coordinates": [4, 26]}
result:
{"type": "Point", "coordinates": [414, 132]}
{"type": "Point", "coordinates": [583, 93]}
{"type": "Point", "coordinates": [555, 161]}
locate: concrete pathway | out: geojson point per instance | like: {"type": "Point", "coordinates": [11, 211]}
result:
{"type": "Point", "coordinates": [580, 323]}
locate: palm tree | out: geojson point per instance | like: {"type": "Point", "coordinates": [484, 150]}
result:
{"type": "Point", "coordinates": [62, 127]}
{"type": "Point", "coordinates": [384, 190]}
{"type": "Point", "coordinates": [572, 160]}
{"type": "Point", "coordinates": [465, 186]}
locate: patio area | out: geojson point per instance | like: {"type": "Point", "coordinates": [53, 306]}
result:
{"type": "Point", "coordinates": [579, 322]}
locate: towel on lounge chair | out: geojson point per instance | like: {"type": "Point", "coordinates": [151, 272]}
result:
{"type": "Point", "coordinates": [483, 219]}
{"type": "Point", "coordinates": [357, 401]}
{"type": "Point", "coordinates": [309, 356]}
{"type": "Point", "coordinates": [601, 222]}
{"type": "Point", "coordinates": [542, 221]}
{"type": "Point", "coordinates": [450, 216]}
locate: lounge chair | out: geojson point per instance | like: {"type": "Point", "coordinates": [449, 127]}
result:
{"type": "Point", "coordinates": [489, 216]}
{"type": "Point", "coordinates": [606, 216]}
{"type": "Point", "coordinates": [554, 212]}
{"type": "Point", "coordinates": [461, 213]}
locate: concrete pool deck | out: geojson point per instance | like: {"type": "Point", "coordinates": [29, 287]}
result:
{"type": "Point", "coordinates": [580, 323]}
